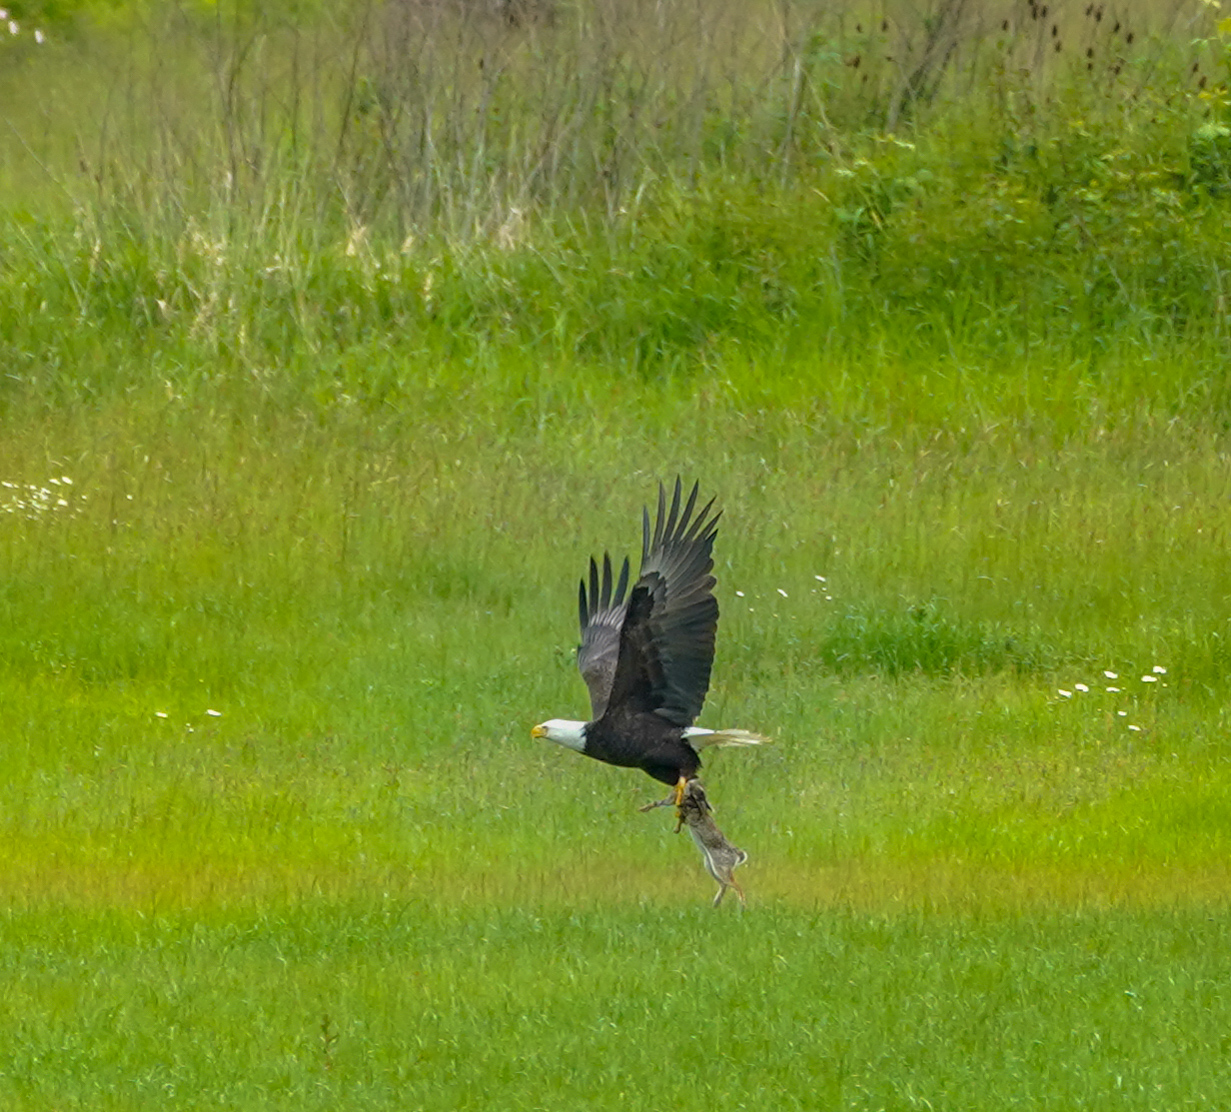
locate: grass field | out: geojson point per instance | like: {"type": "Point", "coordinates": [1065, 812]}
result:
{"type": "Point", "coordinates": [300, 471]}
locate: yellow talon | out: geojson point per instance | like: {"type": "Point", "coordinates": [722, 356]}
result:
{"type": "Point", "coordinates": [681, 786]}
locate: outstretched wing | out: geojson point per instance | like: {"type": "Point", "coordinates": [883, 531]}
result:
{"type": "Point", "coordinates": [666, 644]}
{"type": "Point", "coordinates": [601, 613]}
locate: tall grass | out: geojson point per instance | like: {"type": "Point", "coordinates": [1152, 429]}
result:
{"type": "Point", "coordinates": [621, 186]}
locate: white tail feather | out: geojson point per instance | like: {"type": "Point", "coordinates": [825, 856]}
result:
{"type": "Point", "coordinates": [701, 738]}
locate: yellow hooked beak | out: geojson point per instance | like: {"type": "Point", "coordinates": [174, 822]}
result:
{"type": "Point", "coordinates": [539, 731]}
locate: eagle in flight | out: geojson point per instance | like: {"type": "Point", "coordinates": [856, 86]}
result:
{"type": "Point", "coordinates": [646, 653]}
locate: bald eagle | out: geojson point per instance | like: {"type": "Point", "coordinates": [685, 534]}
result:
{"type": "Point", "coordinates": [646, 654]}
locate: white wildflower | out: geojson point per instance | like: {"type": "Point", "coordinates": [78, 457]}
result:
{"type": "Point", "coordinates": [1135, 729]}
{"type": "Point", "coordinates": [782, 592]}
{"type": "Point", "coordinates": [1066, 694]}
{"type": "Point", "coordinates": [1149, 679]}
{"type": "Point", "coordinates": [1081, 687]}
{"type": "Point", "coordinates": [1111, 675]}
{"type": "Point", "coordinates": [160, 714]}
{"type": "Point", "coordinates": [1113, 690]}
{"type": "Point", "coordinates": [213, 713]}
{"type": "Point", "coordinates": [1159, 670]}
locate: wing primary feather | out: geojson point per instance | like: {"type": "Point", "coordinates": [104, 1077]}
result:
{"type": "Point", "coordinates": [664, 522]}
{"type": "Point", "coordinates": [648, 542]}
{"type": "Point", "coordinates": [606, 596]}
{"type": "Point", "coordinates": [692, 501]}
{"type": "Point", "coordinates": [673, 517]}
{"type": "Point", "coordinates": [622, 585]}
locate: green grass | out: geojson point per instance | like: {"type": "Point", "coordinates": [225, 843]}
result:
{"type": "Point", "coordinates": [341, 440]}
{"type": "Point", "coordinates": [394, 1003]}
{"type": "Point", "coordinates": [963, 886]}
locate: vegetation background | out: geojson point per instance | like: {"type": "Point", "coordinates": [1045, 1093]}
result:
{"type": "Point", "coordinates": [335, 339]}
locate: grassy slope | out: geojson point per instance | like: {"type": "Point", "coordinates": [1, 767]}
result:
{"type": "Point", "coordinates": [338, 492]}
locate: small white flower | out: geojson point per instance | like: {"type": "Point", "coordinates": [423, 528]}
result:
{"type": "Point", "coordinates": [1111, 675]}
{"type": "Point", "coordinates": [820, 579]}
{"type": "Point", "coordinates": [13, 28]}
{"type": "Point", "coordinates": [63, 478]}
{"type": "Point", "coordinates": [1149, 679]}
{"type": "Point", "coordinates": [782, 592]}
{"type": "Point", "coordinates": [1066, 694]}
{"type": "Point", "coordinates": [160, 714]}
{"type": "Point", "coordinates": [1113, 690]}
{"type": "Point", "coordinates": [1121, 714]}
{"type": "Point", "coordinates": [1135, 729]}
{"type": "Point", "coordinates": [1159, 670]}
{"type": "Point", "coordinates": [1081, 687]}
{"type": "Point", "coordinates": [40, 38]}
{"type": "Point", "coordinates": [739, 594]}
{"type": "Point", "coordinates": [214, 713]}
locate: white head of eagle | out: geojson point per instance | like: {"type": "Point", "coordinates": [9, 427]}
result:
{"type": "Point", "coordinates": [563, 731]}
